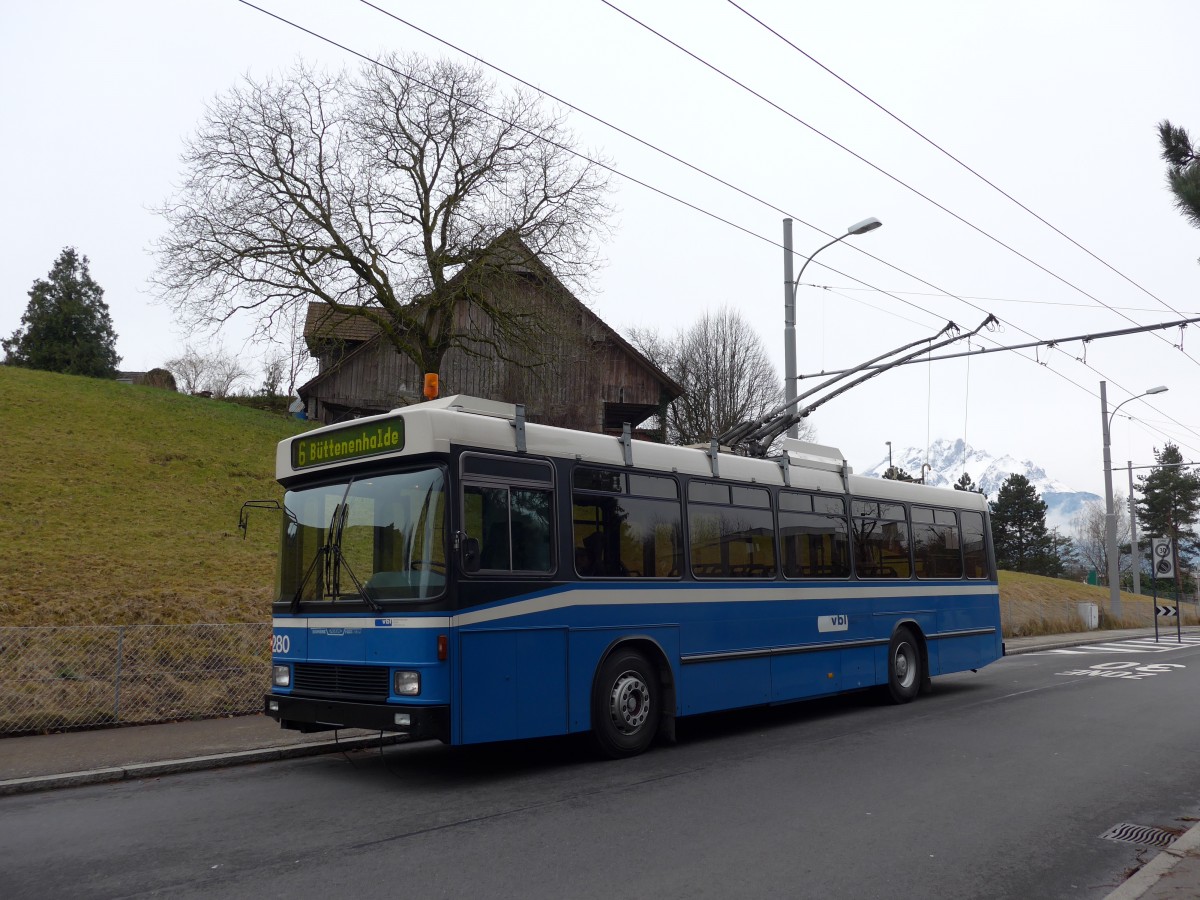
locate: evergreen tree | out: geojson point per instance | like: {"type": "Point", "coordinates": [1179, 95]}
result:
{"type": "Point", "coordinates": [160, 378]}
{"type": "Point", "coordinates": [1064, 550]}
{"type": "Point", "coordinates": [895, 473]}
{"type": "Point", "coordinates": [1183, 169]}
{"type": "Point", "coordinates": [66, 326]}
{"type": "Point", "coordinates": [1019, 529]}
{"type": "Point", "coordinates": [1170, 502]}
{"type": "Point", "coordinates": [966, 484]}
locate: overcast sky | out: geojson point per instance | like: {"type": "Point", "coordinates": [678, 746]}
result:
{"type": "Point", "coordinates": [1055, 103]}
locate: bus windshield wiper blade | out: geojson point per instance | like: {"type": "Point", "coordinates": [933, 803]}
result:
{"type": "Point", "coordinates": [363, 593]}
{"type": "Point", "coordinates": [325, 554]}
{"type": "Point", "coordinates": [322, 551]}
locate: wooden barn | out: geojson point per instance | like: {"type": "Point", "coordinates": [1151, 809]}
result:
{"type": "Point", "coordinates": [584, 376]}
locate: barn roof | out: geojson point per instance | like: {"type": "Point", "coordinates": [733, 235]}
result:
{"type": "Point", "coordinates": [323, 324]}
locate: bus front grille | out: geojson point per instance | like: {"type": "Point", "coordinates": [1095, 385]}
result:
{"type": "Point", "coordinates": [328, 680]}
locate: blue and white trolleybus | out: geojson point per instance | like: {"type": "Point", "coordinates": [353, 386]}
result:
{"type": "Point", "coordinates": [450, 571]}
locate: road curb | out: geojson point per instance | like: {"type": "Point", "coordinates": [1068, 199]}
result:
{"type": "Point", "coordinates": [1145, 878]}
{"type": "Point", "coordinates": [189, 764]}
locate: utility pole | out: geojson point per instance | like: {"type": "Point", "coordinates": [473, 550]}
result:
{"type": "Point", "coordinates": [1135, 551]}
{"type": "Point", "coordinates": [1110, 515]}
{"type": "Point", "coordinates": [789, 324]}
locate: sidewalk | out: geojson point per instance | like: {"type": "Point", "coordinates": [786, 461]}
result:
{"type": "Point", "coordinates": [45, 762]}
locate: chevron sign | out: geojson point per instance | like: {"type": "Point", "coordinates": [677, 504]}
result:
{"type": "Point", "coordinates": [1166, 611]}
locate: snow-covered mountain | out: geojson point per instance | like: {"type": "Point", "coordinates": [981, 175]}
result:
{"type": "Point", "coordinates": [949, 459]}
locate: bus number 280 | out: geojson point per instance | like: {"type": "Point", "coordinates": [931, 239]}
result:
{"type": "Point", "coordinates": [280, 643]}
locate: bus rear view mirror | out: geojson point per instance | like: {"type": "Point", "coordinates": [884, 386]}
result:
{"type": "Point", "coordinates": [470, 554]}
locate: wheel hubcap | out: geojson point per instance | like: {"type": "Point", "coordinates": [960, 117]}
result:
{"type": "Point", "coordinates": [905, 666]}
{"type": "Point", "coordinates": [629, 702]}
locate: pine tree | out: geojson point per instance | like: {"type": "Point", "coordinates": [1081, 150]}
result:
{"type": "Point", "coordinates": [1019, 529]}
{"type": "Point", "coordinates": [1170, 502]}
{"type": "Point", "coordinates": [66, 326]}
{"type": "Point", "coordinates": [1064, 550]}
{"type": "Point", "coordinates": [966, 484]}
{"type": "Point", "coordinates": [1183, 169]}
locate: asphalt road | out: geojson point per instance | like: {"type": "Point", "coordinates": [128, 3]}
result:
{"type": "Point", "coordinates": [997, 784]}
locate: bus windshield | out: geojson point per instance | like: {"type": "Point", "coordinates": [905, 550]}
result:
{"type": "Point", "coordinates": [374, 538]}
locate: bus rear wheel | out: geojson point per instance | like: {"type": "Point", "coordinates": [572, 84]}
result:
{"type": "Point", "coordinates": [625, 700]}
{"type": "Point", "coordinates": [904, 667]}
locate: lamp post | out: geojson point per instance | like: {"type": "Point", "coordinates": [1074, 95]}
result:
{"type": "Point", "coordinates": [889, 443]}
{"type": "Point", "coordinates": [1110, 514]}
{"type": "Point", "coordinates": [789, 303]}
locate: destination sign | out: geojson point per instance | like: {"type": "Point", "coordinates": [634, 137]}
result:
{"type": "Point", "coordinates": [352, 442]}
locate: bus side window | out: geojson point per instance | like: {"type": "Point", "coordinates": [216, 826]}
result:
{"type": "Point", "coordinates": [531, 530]}
{"type": "Point", "coordinates": [936, 543]}
{"type": "Point", "coordinates": [732, 531]}
{"type": "Point", "coordinates": [487, 521]}
{"type": "Point", "coordinates": [512, 527]}
{"type": "Point", "coordinates": [881, 541]}
{"type": "Point", "coordinates": [974, 545]}
{"type": "Point", "coordinates": [626, 527]}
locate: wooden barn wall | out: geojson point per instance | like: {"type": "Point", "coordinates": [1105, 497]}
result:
{"type": "Point", "coordinates": [580, 369]}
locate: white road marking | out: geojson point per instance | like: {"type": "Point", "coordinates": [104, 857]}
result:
{"type": "Point", "coordinates": [1131, 645]}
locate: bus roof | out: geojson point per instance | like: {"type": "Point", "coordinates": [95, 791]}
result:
{"type": "Point", "coordinates": [471, 422]}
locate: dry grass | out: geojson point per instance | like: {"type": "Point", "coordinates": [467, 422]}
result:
{"type": "Point", "coordinates": [119, 504]}
{"type": "Point", "coordinates": [62, 678]}
{"type": "Point", "coordinates": [1031, 604]}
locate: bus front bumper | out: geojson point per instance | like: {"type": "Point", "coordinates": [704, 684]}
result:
{"type": "Point", "coordinates": [309, 714]}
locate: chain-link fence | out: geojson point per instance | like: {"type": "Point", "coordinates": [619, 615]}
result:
{"type": "Point", "coordinates": [80, 677]}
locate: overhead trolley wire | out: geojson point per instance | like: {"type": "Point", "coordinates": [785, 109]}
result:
{"type": "Point", "coordinates": [699, 170]}
{"type": "Point", "coordinates": [1145, 309]}
{"type": "Point", "coordinates": [951, 156]}
{"type": "Point", "coordinates": [675, 158]}
{"type": "Point", "coordinates": [609, 168]}
{"type": "Point", "coordinates": [882, 171]}
{"type": "Point", "coordinates": [1049, 343]}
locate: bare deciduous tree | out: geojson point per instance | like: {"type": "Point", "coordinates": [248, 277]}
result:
{"type": "Point", "coordinates": [218, 372]}
{"type": "Point", "coordinates": [395, 193]}
{"type": "Point", "coordinates": [1088, 530]}
{"type": "Point", "coordinates": [724, 370]}
{"type": "Point", "coordinates": [225, 373]}
{"type": "Point", "coordinates": [293, 349]}
{"type": "Point", "coordinates": [190, 369]}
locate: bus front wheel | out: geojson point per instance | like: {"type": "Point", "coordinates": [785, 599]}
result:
{"type": "Point", "coordinates": [625, 702]}
{"type": "Point", "coordinates": [904, 667]}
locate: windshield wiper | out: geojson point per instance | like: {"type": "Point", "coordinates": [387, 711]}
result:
{"type": "Point", "coordinates": [340, 562]}
{"type": "Point", "coordinates": [322, 552]}
{"type": "Point", "coordinates": [330, 553]}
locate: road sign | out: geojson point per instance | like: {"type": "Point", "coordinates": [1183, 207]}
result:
{"type": "Point", "coordinates": [1166, 611]}
{"type": "Point", "coordinates": [1162, 558]}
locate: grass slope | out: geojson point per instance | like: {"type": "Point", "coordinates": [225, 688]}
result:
{"type": "Point", "coordinates": [1032, 604]}
{"type": "Point", "coordinates": [119, 504]}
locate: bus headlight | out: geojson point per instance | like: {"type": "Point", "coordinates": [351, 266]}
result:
{"type": "Point", "coordinates": [281, 676]}
{"type": "Point", "coordinates": [407, 684]}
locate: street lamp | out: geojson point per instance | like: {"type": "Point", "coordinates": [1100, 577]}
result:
{"type": "Point", "coordinates": [1110, 515]}
{"type": "Point", "coordinates": [790, 287]}
{"type": "Point", "coordinates": [889, 443]}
